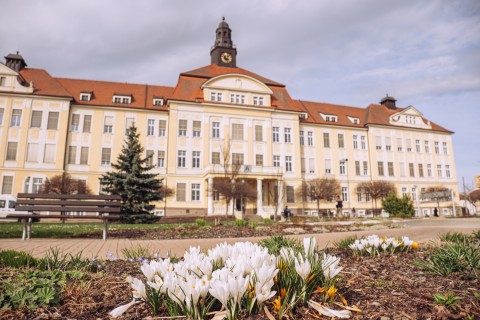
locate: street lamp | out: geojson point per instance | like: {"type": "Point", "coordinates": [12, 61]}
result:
{"type": "Point", "coordinates": [345, 162]}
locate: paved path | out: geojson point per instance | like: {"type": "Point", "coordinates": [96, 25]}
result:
{"type": "Point", "coordinates": [418, 230]}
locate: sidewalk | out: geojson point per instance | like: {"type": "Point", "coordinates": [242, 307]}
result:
{"type": "Point", "coordinates": [420, 231]}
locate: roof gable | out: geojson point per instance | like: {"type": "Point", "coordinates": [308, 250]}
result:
{"type": "Point", "coordinates": [238, 82]}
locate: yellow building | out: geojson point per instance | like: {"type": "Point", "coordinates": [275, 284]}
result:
{"type": "Point", "coordinates": [216, 116]}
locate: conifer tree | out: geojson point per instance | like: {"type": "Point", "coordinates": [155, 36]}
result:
{"type": "Point", "coordinates": [130, 178]}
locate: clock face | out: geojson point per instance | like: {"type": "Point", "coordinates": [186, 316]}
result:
{"type": "Point", "coordinates": [226, 57]}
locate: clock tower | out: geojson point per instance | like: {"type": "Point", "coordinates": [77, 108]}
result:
{"type": "Point", "coordinates": [223, 52]}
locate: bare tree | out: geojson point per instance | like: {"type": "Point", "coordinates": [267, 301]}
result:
{"type": "Point", "coordinates": [321, 189]}
{"type": "Point", "coordinates": [165, 192]}
{"type": "Point", "coordinates": [64, 184]}
{"type": "Point", "coordinates": [377, 189]}
{"type": "Point", "coordinates": [438, 194]}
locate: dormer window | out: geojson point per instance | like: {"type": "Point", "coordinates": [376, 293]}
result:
{"type": "Point", "coordinates": [329, 117]}
{"type": "Point", "coordinates": [122, 99]}
{"type": "Point", "coordinates": [215, 96]}
{"type": "Point", "coordinates": [157, 102]}
{"type": "Point", "coordinates": [354, 120]}
{"type": "Point", "coordinates": [237, 98]}
{"type": "Point", "coordinates": [85, 96]}
{"type": "Point", "coordinates": [258, 101]}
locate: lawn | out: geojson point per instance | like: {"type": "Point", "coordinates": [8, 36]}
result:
{"type": "Point", "coordinates": [69, 230]}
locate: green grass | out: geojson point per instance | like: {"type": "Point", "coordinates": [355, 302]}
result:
{"type": "Point", "coordinates": [68, 230]}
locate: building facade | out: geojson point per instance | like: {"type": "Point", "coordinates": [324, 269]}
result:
{"type": "Point", "coordinates": [216, 116]}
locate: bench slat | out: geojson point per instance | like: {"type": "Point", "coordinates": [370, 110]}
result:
{"type": "Point", "coordinates": [57, 216]}
{"type": "Point", "coordinates": [68, 202]}
{"type": "Point", "coordinates": [67, 196]}
{"type": "Point", "coordinates": [67, 208]}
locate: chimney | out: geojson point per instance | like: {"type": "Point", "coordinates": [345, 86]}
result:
{"type": "Point", "coordinates": [15, 62]}
{"type": "Point", "coordinates": [389, 102]}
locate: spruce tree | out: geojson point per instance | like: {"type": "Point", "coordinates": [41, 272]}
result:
{"type": "Point", "coordinates": [130, 178]}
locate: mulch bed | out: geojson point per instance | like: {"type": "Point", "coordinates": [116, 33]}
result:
{"type": "Point", "coordinates": [383, 287]}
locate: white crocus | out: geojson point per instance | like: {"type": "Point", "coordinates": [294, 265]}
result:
{"type": "Point", "coordinates": [117, 312]}
{"type": "Point", "coordinates": [157, 284]}
{"type": "Point", "coordinates": [148, 270]}
{"type": "Point", "coordinates": [138, 288]}
{"type": "Point", "coordinates": [302, 267]}
{"type": "Point", "coordinates": [330, 266]}
{"type": "Point", "coordinates": [309, 246]}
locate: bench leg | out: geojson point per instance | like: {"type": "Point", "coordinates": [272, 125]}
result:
{"type": "Point", "coordinates": [29, 228]}
{"type": "Point", "coordinates": [105, 229]}
{"type": "Point", "coordinates": [24, 229]}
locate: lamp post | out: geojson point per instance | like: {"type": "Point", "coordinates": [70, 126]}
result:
{"type": "Point", "coordinates": [416, 200]}
{"type": "Point", "coordinates": [345, 162]}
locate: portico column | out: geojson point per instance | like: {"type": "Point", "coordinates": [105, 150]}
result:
{"type": "Point", "coordinates": [210, 197]}
{"type": "Point", "coordinates": [259, 198]}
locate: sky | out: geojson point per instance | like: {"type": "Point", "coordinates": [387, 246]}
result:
{"type": "Point", "coordinates": [423, 53]}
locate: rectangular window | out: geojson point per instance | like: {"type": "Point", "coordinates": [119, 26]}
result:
{"type": "Point", "coordinates": [36, 121]}
{"type": "Point", "coordinates": [149, 156]}
{"type": "Point", "coordinates": [302, 138]}
{"type": "Point", "coordinates": [259, 159]}
{"type": "Point", "coordinates": [162, 127]}
{"type": "Point", "coordinates": [288, 164]}
{"type": "Point", "coordinates": [311, 165]}
{"type": "Point", "coordinates": [128, 123]}
{"type": "Point", "coordinates": [288, 136]}
{"type": "Point", "coordinates": [402, 169]}
{"type": "Point", "coordinates": [380, 168]}
{"type": "Point", "coordinates": [378, 143]}
{"type": "Point", "coordinates": [343, 169]}
{"type": "Point", "coordinates": [326, 140]}
{"type": "Point", "coordinates": [237, 131]}
{"type": "Point", "coordinates": [302, 165]}
{"type": "Point", "coordinates": [391, 173]}
{"type": "Point", "coordinates": [237, 158]}
{"type": "Point", "coordinates": [445, 149]}
{"type": "Point", "coordinates": [427, 146]}
{"type": "Point", "coordinates": [447, 171]}
{"type": "Point", "coordinates": [310, 138]}
{"type": "Point", "coordinates": [151, 127]}
{"type": "Point", "coordinates": [195, 159]}
{"type": "Point", "coordinates": [359, 194]}
{"type": "Point", "coordinates": [72, 154]}
{"type": "Point", "coordinates": [388, 143]}
{"type": "Point", "coordinates": [32, 152]}
{"type": "Point", "coordinates": [328, 166]}
{"type": "Point", "coordinates": [49, 154]}
{"type": "Point", "coordinates": [355, 141]}
{"type": "Point", "coordinates": [364, 142]}
{"type": "Point", "coordinates": [108, 124]}
{"type": "Point", "coordinates": [399, 144]}
{"type": "Point", "coordinates": [182, 159]}
{"type": "Point", "coordinates": [276, 134]}
{"type": "Point", "coordinates": [437, 147]}
{"type": "Point", "coordinates": [417, 145]}
{"type": "Point", "coordinates": [181, 191]}
{"type": "Point", "coordinates": [411, 169]}
{"type": "Point", "coordinates": [7, 185]}
{"type": "Point", "coordinates": [258, 133]}
{"type": "Point", "coordinates": [182, 128]}
{"type": "Point", "coordinates": [16, 118]}
{"type": "Point", "coordinates": [420, 170]}
{"type": "Point", "coordinates": [357, 168]}
{"type": "Point", "coordinates": [215, 157]}
{"type": "Point", "coordinates": [1, 116]}
{"type": "Point", "coordinates": [195, 191]}
{"type": "Point", "coordinates": [197, 128]}
{"type": "Point", "coordinates": [439, 170]}
{"type": "Point", "coordinates": [161, 159]}
{"type": "Point", "coordinates": [341, 144]}
{"type": "Point", "coordinates": [215, 129]}
{"type": "Point", "coordinates": [52, 123]}
{"type": "Point", "coordinates": [365, 168]}
{"type": "Point", "coordinates": [409, 145]}
{"type": "Point", "coordinates": [213, 96]}
{"type": "Point", "coordinates": [404, 192]}
{"type": "Point", "coordinates": [344, 193]}
{"type": "Point", "coordinates": [276, 161]}
{"type": "Point", "coordinates": [11, 151]}
{"type": "Point", "coordinates": [429, 169]}
{"type": "Point", "coordinates": [87, 123]}
{"type": "Point", "coordinates": [84, 155]}
{"type": "Point", "coordinates": [106, 154]}
{"type": "Point", "coordinates": [3, 80]}
{"type": "Point", "coordinates": [414, 194]}
{"type": "Point", "coordinates": [290, 194]}
{"type": "Point", "coordinates": [260, 101]}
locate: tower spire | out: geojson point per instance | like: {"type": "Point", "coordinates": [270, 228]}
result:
{"type": "Point", "coordinates": [223, 52]}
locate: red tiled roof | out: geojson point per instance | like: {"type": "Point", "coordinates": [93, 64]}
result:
{"type": "Point", "coordinates": [379, 114]}
{"type": "Point", "coordinates": [103, 92]}
{"type": "Point", "coordinates": [44, 83]}
{"type": "Point", "coordinates": [315, 108]}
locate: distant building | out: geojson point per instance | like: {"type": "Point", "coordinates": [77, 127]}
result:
{"type": "Point", "coordinates": [51, 125]}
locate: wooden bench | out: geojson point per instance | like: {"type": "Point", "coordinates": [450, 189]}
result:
{"type": "Point", "coordinates": [65, 204]}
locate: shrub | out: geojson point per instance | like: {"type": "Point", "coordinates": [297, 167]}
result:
{"type": "Point", "coordinates": [241, 223]}
{"type": "Point", "coordinates": [17, 259]}
{"type": "Point", "coordinates": [398, 207]}
{"type": "Point", "coordinates": [275, 243]}
{"type": "Point", "coordinates": [201, 222]}
{"type": "Point", "coordinates": [454, 237]}
{"type": "Point", "coordinates": [448, 300]}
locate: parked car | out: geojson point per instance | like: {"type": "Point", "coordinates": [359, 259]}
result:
{"type": "Point", "coordinates": [7, 205]}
